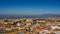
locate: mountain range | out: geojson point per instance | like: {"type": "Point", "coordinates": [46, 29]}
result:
{"type": "Point", "coordinates": [30, 16]}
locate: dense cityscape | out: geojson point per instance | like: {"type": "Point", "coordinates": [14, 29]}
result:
{"type": "Point", "coordinates": [29, 16]}
{"type": "Point", "coordinates": [30, 26]}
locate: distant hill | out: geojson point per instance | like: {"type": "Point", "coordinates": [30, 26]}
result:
{"type": "Point", "coordinates": [50, 15]}
{"type": "Point", "coordinates": [30, 16]}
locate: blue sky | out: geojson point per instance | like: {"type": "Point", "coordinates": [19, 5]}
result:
{"type": "Point", "coordinates": [29, 7]}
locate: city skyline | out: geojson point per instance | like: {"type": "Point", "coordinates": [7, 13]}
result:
{"type": "Point", "coordinates": [29, 7]}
